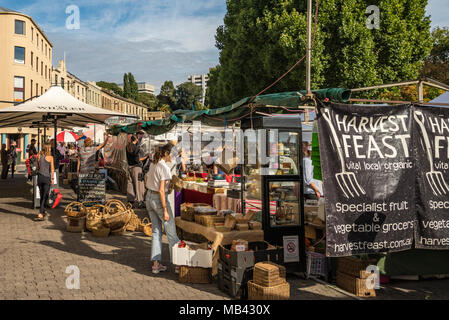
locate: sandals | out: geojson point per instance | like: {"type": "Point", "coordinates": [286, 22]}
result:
{"type": "Point", "coordinates": [41, 218]}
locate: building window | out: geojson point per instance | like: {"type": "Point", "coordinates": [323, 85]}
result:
{"type": "Point", "coordinates": [62, 83]}
{"type": "Point", "coordinates": [42, 45]}
{"type": "Point", "coordinates": [45, 72]}
{"type": "Point", "coordinates": [32, 58]}
{"type": "Point", "coordinates": [19, 88]}
{"type": "Point", "coordinates": [32, 34]}
{"type": "Point", "coordinates": [49, 53]}
{"type": "Point", "coordinates": [56, 79]}
{"type": "Point", "coordinates": [37, 89]}
{"type": "Point", "coordinates": [37, 37]}
{"type": "Point", "coordinates": [42, 68]}
{"type": "Point", "coordinates": [45, 49]}
{"type": "Point", "coordinates": [42, 90]}
{"type": "Point", "coordinates": [19, 27]}
{"type": "Point", "coordinates": [19, 55]}
{"type": "Point", "coordinates": [31, 91]}
{"type": "Point", "coordinates": [37, 64]}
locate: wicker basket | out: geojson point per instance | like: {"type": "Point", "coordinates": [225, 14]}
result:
{"type": "Point", "coordinates": [119, 232]}
{"type": "Point", "coordinates": [257, 292]}
{"type": "Point", "coordinates": [100, 232]}
{"type": "Point", "coordinates": [75, 210]}
{"type": "Point", "coordinates": [134, 221]}
{"type": "Point", "coordinates": [146, 228]}
{"type": "Point", "coordinates": [208, 221]}
{"type": "Point", "coordinates": [117, 220]}
{"type": "Point", "coordinates": [194, 275]}
{"type": "Point", "coordinates": [114, 207]}
{"type": "Point", "coordinates": [94, 217]}
{"type": "Point", "coordinates": [268, 274]}
{"type": "Point", "coordinates": [76, 224]}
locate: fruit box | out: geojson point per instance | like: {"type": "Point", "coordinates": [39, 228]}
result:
{"type": "Point", "coordinates": [258, 251]}
{"type": "Point", "coordinates": [193, 255]}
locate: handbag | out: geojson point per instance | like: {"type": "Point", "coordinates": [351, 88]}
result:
{"type": "Point", "coordinates": [175, 184]}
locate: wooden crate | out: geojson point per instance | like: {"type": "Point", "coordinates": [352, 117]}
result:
{"type": "Point", "coordinates": [257, 292]}
{"type": "Point", "coordinates": [194, 274]}
{"type": "Point", "coordinates": [354, 267]}
{"type": "Point", "coordinates": [354, 285]}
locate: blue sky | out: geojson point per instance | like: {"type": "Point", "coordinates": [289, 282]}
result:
{"type": "Point", "coordinates": [156, 40]}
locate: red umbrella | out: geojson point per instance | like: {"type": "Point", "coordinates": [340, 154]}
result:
{"type": "Point", "coordinates": [66, 136]}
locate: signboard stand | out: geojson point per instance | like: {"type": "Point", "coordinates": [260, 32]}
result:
{"type": "Point", "coordinates": [92, 187]}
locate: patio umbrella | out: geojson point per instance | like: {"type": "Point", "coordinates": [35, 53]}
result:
{"type": "Point", "coordinates": [66, 136]}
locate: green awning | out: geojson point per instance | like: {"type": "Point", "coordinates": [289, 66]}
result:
{"type": "Point", "coordinates": [236, 111]}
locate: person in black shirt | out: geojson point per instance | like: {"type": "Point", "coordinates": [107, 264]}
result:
{"type": "Point", "coordinates": [136, 188]}
{"type": "Point", "coordinates": [32, 148]}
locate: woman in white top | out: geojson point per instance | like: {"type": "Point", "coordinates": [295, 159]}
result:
{"type": "Point", "coordinates": [158, 207]}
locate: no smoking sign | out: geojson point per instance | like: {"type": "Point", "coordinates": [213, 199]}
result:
{"type": "Point", "coordinates": [291, 252]}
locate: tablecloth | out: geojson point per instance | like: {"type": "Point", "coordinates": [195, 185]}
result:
{"type": "Point", "coordinates": [193, 196]}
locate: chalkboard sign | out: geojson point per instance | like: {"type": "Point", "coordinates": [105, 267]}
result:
{"type": "Point", "coordinates": [92, 187]}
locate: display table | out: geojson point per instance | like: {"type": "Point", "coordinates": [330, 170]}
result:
{"type": "Point", "coordinates": [218, 238]}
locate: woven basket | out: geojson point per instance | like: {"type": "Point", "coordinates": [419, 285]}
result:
{"type": "Point", "coordinates": [268, 274]}
{"type": "Point", "coordinates": [145, 227]}
{"type": "Point", "coordinates": [208, 221]}
{"type": "Point", "coordinates": [114, 206]}
{"type": "Point", "coordinates": [134, 221]}
{"type": "Point", "coordinates": [75, 210]}
{"type": "Point", "coordinates": [117, 220]}
{"type": "Point", "coordinates": [257, 292]}
{"type": "Point", "coordinates": [76, 224]}
{"type": "Point", "coordinates": [119, 232]}
{"type": "Point", "coordinates": [194, 274]}
{"type": "Point", "coordinates": [100, 232]}
{"type": "Point", "coordinates": [94, 217]}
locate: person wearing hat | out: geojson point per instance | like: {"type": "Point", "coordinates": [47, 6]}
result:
{"type": "Point", "coordinates": [136, 188]}
{"type": "Point", "coordinates": [312, 189]}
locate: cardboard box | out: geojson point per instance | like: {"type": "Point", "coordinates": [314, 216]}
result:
{"type": "Point", "coordinates": [195, 256]}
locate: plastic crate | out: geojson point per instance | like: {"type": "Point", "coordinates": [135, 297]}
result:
{"type": "Point", "coordinates": [316, 264]}
{"type": "Point", "coordinates": [234, 281]}
{"type": "Point", "coordinates": [247, 259]}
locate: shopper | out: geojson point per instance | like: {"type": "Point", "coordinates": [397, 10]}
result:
{"type": "Point", "coordinates": [13, 159]}
{"type": "Point", "coordinates": [86, 156]}
{"type": "Point", "coordinates": [45, 178]}
{"type": "Point", "coordinates": [311, 187]}
{"type": "Point", "coordinates": [5, 160]}
{"type": "Point", "coordinates": [158, 206]}
{"type": "Point", "coordinates": [31, 150]}
{"type": "Point", "coordinates": [136, 187]}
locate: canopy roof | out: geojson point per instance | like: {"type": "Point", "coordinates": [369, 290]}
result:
{"type": "Point", "coordinates": [55, 103]}
{"type": "Point", "coordinates": [284, 102]}
{"type": "Point", "coordinates": [444, 98]}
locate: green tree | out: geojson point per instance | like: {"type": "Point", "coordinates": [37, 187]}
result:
{"type": "Point", "coordinates": [261, 40]}
{"type": "Point", "coordinates": [166, 95]}
{"type": "Point", "coordinates": [187, 95]}
{"type": "Point", "coordinates": [436, 65]}
{"type": "Point", "coordinates": [126, 88]}
{"type": "Point", "coordinates": [133, 87]}
{"type": "Point", "coordinates": [110, 86]}
{"type": "Point", "coordinates": [148, 99]}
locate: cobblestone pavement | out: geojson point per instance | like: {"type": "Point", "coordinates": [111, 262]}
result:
{"type": "Point", "coordinates": [34, 257]}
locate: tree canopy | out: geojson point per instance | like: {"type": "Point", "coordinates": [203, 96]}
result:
{"type": "Point", "coordinates": [110, 86]}
{"type": "Point", "coordinates": [261, 40]}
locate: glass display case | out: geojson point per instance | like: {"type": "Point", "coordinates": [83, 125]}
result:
{"type": "Point", "coordinates": [273, 183]}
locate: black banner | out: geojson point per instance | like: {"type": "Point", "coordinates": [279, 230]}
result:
{"type": "Point", "coordinates": [92, 187]}
{"type": "Point", "coordinates": [431, 140]}
{"type": "Point", "coordinates": [368, 178]}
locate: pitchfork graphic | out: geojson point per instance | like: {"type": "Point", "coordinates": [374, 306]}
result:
{"type": "Point", "coordinates": [343, 176]}
{"type": "Point", "coordinates": [432, 175]}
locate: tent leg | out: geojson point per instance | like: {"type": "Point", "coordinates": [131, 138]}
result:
{"type": "Point", "coordinates": [56, 124]}
{"type": "Point", "coordinates": [38, 139]}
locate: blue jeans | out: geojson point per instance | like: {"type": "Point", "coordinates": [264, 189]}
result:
{"type": "Point", "coordinates": [156, 213]}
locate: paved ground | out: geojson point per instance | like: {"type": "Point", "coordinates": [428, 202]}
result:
{"type": "Point", "coordinates": [34, 257]}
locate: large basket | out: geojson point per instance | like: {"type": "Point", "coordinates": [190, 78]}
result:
{"type": "Point", "coordinates": [76, 224]}
{"type": "Point", "coordinates": [257, 292]}
{"type": "Point", "coordinates": [194, 274]}
{"type": "Point", "coordinates": [114, 206]}
{"type": "Point", "coordinates": [100, 232]}
{"type": "Point", "coordinates": [119, 232]}
{"type": "Point", "coordinates": [117, 220]}
{"type": "Point", "coordinates": [145, 227]}
{"type": "Point", "coordinates": [94, 217]}
{"type": "Point", "coordinates": [268, 274]}
{"type": "Point", "coordinates": [134, 222]}
{"type": "Point", "coordinates": [75, 210]}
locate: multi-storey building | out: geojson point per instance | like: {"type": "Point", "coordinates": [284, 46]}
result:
{"type": "Point", "coordinates": [93, 94]}
{"type": "Point", "coordinates": [114, 102]}
{"type": "Point", "coordinates": [200, 81]}
{"type": "Point", "coordinates": [25, 65]}
{"type": "Point", "coordinates": [142, 87]}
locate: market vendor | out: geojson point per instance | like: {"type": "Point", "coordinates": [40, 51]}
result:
{"type": "Point", "coordinates": [312, 188]}
{"type": "Point", "coordinates": [86, 156]}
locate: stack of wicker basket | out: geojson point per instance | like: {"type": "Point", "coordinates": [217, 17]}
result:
{"type": "Point", "coordinates": [269, 282]}
{"type": "Point", "coordinates": [76, 217]}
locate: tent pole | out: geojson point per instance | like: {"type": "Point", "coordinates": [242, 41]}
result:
{"type": "Point", "coordinates": [38, 139]}
{"type": "Point", "coordinates": [56, 124]}
{"type": "Point", "coordinates": [45, 133]}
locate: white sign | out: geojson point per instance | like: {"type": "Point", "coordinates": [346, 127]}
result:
{"type": "Point", "coordinates": [291, 249]}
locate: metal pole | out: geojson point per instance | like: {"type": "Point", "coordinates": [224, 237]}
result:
{"type": "Point", "coordinates": [55, 128]}
{"type": "Point", "coordinates": [309, 45]}
{"type": "Point", "coordinates": [38, 139]}
{"type": "Point", "coordinates": [95, 140]}
{"type": "Point", "coordinates": [45, 134]}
